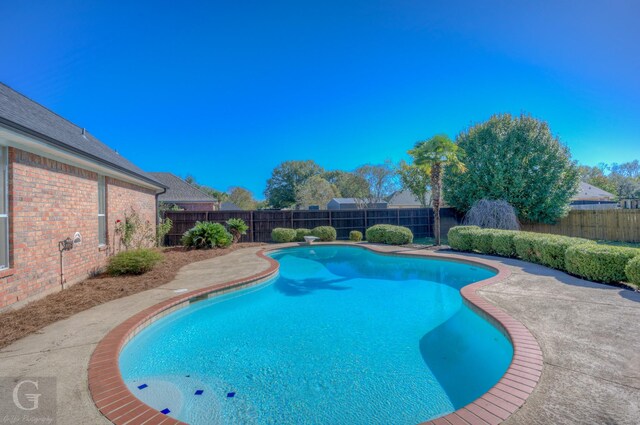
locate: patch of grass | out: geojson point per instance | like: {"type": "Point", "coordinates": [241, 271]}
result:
{"type": "Point", "coordinates": [430, 241]}
{"type": "Point", "coordinates": [616, 243]}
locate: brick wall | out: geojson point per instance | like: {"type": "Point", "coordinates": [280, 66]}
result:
{"type": "Point", "coordinates": [48, 202]}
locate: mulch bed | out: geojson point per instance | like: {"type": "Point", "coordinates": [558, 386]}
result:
{"type": "Point", "coordinates": [97, 290]}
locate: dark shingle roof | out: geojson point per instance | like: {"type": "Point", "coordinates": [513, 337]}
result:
{"type": "Point", "coordinates": [179, 190]}
{"type": "Point", "coordinates": [20, 113]}
{"type": "Point", "coordinates": [229, 206]}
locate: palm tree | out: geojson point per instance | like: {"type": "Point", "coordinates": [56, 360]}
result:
{"type": "Point", "coordinates": [433, 155]}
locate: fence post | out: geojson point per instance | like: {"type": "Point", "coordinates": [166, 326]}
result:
{"type": "Point", "coordinates": [330, 219]}
{"type": "Point", "coordinates": [251, 226]}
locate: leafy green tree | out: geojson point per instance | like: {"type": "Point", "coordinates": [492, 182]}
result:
{"type": "Point", "coordinates": [596, 176]}
{"type": "Point", "coordinates": [518, 160]}
{"type": "Point", "coordinates": [349, 185]}
{"type": "Point", "coordinates": [381, 179]}
{"type": "Point", "coordinates": [242, 198]}
{"type": "Point", "coordinates": [432, 156]}
{"type": "Point", "coordinates": [315, 191]}
{"type": "Point", "coordinates": [285, 179]}
{"type": "Point", "coordinates": [219, 195]}
{"type": "Point", "coordinates": [415, 179]}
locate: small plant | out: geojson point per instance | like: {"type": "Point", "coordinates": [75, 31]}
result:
{"type": "Point", "coordinates": [207, 235]}
{"type": "Point", "coordinates": [633, 271]}
{"type": "Point", "coordinates": [135, 261]}
{"type": "Point", "coordinates": [389, 234]}
{"type": "Point", "coordinates": [283, 235]}
{"type": "Point", "coordinates": [492, 214]}
{"type": "Point", "coordinates": [324, 233]}
{"type": "Point", "coordinates": [162, 229]}
{"type": "Point", "coordinates": [133, 232]}
{"type": "Point", "coordinates": [237, 227]}
{"type": "Point", "coordinates": [301, 233]}
{"type": "Point", "coordinates": [355, 236]}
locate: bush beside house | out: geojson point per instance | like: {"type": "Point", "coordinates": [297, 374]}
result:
{"type": "Point", "coordinates": [135, 261]}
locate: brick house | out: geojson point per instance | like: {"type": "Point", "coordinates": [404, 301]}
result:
{"type": "Point", "coordinates": [183, 194]}
{"type": "Point", "coordinates": [57, 181]}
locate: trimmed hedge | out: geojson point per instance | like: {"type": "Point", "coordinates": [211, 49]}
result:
{"type": "Point", "coordinates": [602, 263]}
{"type": "Point", "coordinates": [503, 244]}
{"type": "Point", "coordinates": [553, 250]}
{"type": "Point", "coordinates": [461, 237]}
{"type": "Point", "coordinates": [301, 233]}
{"type": "Point", "coordinates": [581, 257]}
{"type": "Point", "coordinates": [355, 236]}
{"type": "Point", "coordinates": [136, 261]}
{"type": "Point", "coordinates": [529, 246]}
{"type": "Point", "coordinates": [283, 235]}
{"type": "Point", "coordinates": [324, 233]}
{"type": "Point", "coordinates": [633, 270]}
{"type": "Point", "coordinates": [389, 234]}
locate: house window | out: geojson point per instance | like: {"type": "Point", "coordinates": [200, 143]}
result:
{"type": "Point", "coordinates": [102, 217]}
{"type": "Point", "coordinates": [4, 210]}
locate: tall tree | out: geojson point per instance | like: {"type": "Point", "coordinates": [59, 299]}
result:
{"type": "Point", "coordinates": [218, 194]}
{"type": "Point", "coordinates": [285, 179]}
{"type": "Point", "coordinates": [242, 198]}
{"type": "Point", "coordinates": [381, 178]}
{"type": "Point", "coordinates": [596, 176]}
{"type": "Point", "coordinates": [432, 156]}
{"type": "Point", "coordinates": [349, 185]}
{"type": "Point", "coordinates": [516, 159]}
{"type": "Point", "coordinates": [315, 191]}
{"type": "Point", "coordinates": [416, 180]}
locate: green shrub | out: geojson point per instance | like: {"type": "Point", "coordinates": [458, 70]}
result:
{"type": "Point", "coordinates": [283, 235]}
{"type": "Point", "coordinates": [461, 237]}
{"type": "Point", "coordinates": [601, 263]}
{"type": "Point", "coordinates": [389, 234]}
{"type": "Point", "coordinates": [355, 236]}
{"type": "Point", "coordinates": [207, 235]}
{"type": "Point", "coordinates": [553, 249]}
{"type": "Point", "coordinates": [324, 233]}
{"type": "Point", "coordinates": [237, 227]}
{"type": "Point", "coordinates": [633, 271]}
{"type": "Point", "coordinates": [483, 240]}
{"type": "Point", "coordinates": [301, 233]}
{"type": "Point", "coordinates": [502, 243]}
{"type": "Point", "coordinates": [135, 261]}
{"type": "Point", "coordinates": [529, 246]}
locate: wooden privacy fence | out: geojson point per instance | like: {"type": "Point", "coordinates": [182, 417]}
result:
{"type": "Point", "coordinates": [611, 225]}
{"type": "Point", "coordinates": [261, 223]}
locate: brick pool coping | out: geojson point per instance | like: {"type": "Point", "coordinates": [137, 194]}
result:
{"type": "Point", "coordinates": [114, 400]}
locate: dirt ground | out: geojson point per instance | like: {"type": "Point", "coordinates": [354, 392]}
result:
{"type": "Point", "coordinates": [36, 315]}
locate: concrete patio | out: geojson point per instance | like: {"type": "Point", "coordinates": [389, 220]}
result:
{"type": "Point", "coordinates": [588, 333]}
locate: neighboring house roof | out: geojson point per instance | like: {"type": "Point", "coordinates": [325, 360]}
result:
{"type": "Point", "coordinates": [406, 198]}
{"type": "Point", "coordinates": [587, 192]}
{"type": "Point", "coordinates": [229, 206]}
{"type": "Point", "coordinates": [179, 190]}
{"type": "Point", "coordinates": [21, 114]}
{"type": "Point", "coordinates": [353, 201]}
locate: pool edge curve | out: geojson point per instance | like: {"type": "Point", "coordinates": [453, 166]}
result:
{"type": "Point", "coordinates": [114, 400]}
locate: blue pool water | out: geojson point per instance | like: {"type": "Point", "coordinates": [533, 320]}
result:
{"type": "Point", "coordinates": [342, 336]}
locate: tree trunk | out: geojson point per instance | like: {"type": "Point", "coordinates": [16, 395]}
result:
{"type": "Point", "coordinates": [436, 184]}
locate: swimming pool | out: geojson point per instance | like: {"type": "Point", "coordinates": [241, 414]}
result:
{"type": "Point", "coordinates": [341, 335]}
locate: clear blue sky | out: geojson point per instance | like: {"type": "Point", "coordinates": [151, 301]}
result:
{"type": "Point", "coordinates": [227, 90]}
